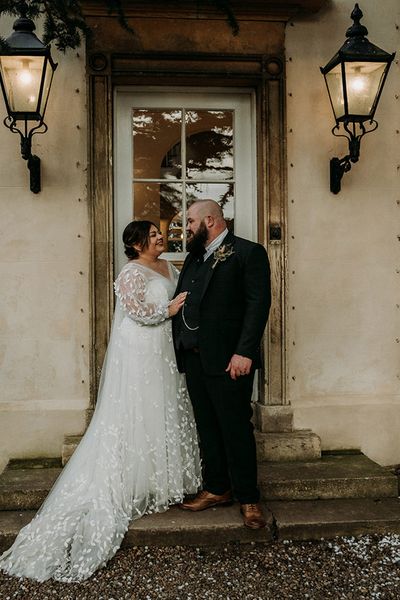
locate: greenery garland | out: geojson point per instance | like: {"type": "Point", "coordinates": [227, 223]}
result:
{"type": "Point", "coordinates": [65, 24]}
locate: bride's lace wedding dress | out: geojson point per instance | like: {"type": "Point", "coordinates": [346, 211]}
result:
{"type": "Point", "coordinates": [139, 454]}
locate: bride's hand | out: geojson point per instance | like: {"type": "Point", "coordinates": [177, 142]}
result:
{"type": "Point", "coordinates": [177, 303]}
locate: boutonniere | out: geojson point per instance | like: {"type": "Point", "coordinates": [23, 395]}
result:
{"type": "Point", "coordinates": [222, 253]}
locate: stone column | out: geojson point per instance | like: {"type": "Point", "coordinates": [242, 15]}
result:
{"type": "Point", "coordinates": [276, 438]}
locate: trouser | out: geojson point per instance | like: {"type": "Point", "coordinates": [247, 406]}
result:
{"type": "Point", "coordinates": [222, 409]}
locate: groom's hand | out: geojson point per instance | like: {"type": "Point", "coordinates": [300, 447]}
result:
{"type": "Point", "coordinates": [239, 365]}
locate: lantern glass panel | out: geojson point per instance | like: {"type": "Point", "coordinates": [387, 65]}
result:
{"type": "Point", "coordinates": [48, 77]}
{"type": "Point", "coordinates": [335, 89]}
{"type": "Point", "coordinates": [363, 82]}
{"type": "Point", "coordinates": [22, 76]}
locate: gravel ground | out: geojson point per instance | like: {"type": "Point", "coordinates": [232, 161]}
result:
{"type": "Point", "coordinates": [361, 568]}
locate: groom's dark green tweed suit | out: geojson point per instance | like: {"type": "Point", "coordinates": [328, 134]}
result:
{"type": "Point", "coordinates": [226, 310]}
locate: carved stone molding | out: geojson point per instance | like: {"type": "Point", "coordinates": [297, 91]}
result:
{"type": "Point", "coordinates": [101, 212]}
{"type": "Point", "coordinates": [281, 10]}
{"type": "Point", "coordinates": [273, 151]}
{"type": "Point", "coordinates": [98, 62]}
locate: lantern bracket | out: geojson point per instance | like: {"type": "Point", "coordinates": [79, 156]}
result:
{"type": "Point", "coordinates": [33, 161]}
{"type": "Point", "coordinates": [340, 166]}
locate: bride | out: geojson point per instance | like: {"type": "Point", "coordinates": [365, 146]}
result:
{"type": "Point", "coordinates": [140, 453]}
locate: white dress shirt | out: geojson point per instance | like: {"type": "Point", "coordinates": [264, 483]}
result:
{"type": "Point", "coordinates": [214, 244]}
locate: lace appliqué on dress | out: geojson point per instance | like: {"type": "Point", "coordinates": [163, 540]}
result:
{"type": "Point", "coordinates": [131, 288]}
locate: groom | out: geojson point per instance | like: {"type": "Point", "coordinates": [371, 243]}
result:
{"type": "Point", "coordinates": [217, 339]}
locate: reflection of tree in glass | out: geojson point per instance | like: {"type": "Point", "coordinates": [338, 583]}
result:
{"type": "Point", "coordinates": [170, 200]}
{"type": "Point", "coordinates": [140, 122]}
{"type": "Point", "coordinates": [159, 199]}
{"type": "Point", "coordinates": [175, 236]}
{"type": "Point", "coordinates": [171, 167]}
{"type": "Point", "coordinates": [171, 212]}
{"type": "Point", "coordinates": [209, 160]}
{"type": "Point", "coordinates": [209, 144]}
{"type": "Point", "coordinates": [210, 152]}
{"type": "Point", "coordinates": [155, 129]}
{"type": "Point", "coordinates": [196, 191]}
{"type": "Point", "coordinates": [227, 196]}
{"type": "Point", "coordinates": [175, 116]}
{"type": "Point", "coordinates": [146, 121]}
{"type": "Point", "coordinates": [149, 207]}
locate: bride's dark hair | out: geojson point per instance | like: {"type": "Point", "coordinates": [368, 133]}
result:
{"type": "Point", "coordinates": [136, 233]}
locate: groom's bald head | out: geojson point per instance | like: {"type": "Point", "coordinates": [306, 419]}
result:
{"type": "Point", "coordinates": [207, 208]}
{"type": "Point", "coordinates": [205, 221]}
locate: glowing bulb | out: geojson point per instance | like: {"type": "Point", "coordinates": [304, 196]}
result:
{"type": "Point", "coordinates": [358, 84]}
{"type": "Point", "coordinates": [25, 77]}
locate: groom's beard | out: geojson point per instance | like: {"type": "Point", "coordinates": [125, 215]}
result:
{"type": "Point", "coordinates": [196, 244]}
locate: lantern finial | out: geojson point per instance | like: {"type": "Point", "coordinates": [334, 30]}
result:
{"type": "Point", "coordinates": [356, 30]}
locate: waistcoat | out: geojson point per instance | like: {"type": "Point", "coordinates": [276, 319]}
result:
{"type": "Point", "coordinates": [193, 282]}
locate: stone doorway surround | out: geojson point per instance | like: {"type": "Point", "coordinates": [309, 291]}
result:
{"type": "Point", "coordinates": [183, 50]}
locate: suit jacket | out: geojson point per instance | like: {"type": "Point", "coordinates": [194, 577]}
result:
{"type": "Point", "coordinates": [234, 306]}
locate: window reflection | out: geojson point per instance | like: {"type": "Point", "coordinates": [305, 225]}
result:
{"type": "Point", "coordinates": [209, 144]}
{"type": "Point", "coordinates": [161, 203]}
{"type": "Point", "coordinates": [155, 134]}
{"type": "Point", "coordinates": [169, 176]}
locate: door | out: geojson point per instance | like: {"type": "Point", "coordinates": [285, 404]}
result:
{"type": "Point", "coordinates": [175, 146]}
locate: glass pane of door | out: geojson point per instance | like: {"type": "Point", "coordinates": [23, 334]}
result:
{"type": "Point", "coordinates": [156, 136]}
{"type": "Point", "coordinates": [173, 149]}
{"type": "Point", "coordinates": [181, 145]}
{"type": "Point", "coordinates": [209, 144]}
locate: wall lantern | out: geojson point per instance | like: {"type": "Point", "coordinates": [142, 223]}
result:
{"type": "Point", "coordinates": [26, 72]}
{"type": "Point", "coordinates": [355, 77]}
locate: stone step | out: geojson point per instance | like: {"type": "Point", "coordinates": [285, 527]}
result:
{"type": "Point", "coordinates": [316, 519]}
{"type": "Point", "coordinates": [69, 446]}
{"type": "Point", "coordinates": [10, 524]}
{"type": "Point", "coordinates": [25, 489]}
{"type": "Point", "coordinates": [333, 476]}
{"type": "Point", "coordinates": [212, 527]}
{"type": "Point", "coordinates": [297, 445]}
{"type": "Point", "coordinates": [296, 520]}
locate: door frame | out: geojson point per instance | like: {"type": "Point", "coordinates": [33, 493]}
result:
{"type": "Point", "coordinates": [262, 73]}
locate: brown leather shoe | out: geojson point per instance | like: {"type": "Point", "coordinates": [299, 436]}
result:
{"type": "Point", "coordinates": [205, 500]}
{"type": "Point", "coordinates": [253, 516]}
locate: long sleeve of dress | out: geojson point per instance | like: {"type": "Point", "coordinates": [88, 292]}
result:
{"type": "Point", "coordinates": [130, 288]}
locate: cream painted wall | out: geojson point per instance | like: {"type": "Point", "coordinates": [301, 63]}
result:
{"type": "Point", "coordinates": [44, 271]}
{"type": "Point", "coordinates": [344, 251]}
